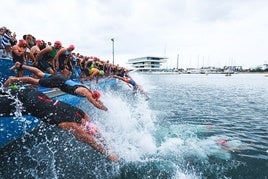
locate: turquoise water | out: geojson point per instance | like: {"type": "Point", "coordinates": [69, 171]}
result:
{"type": "Point", "coordinates": [232, 108]}
{"type": "Point", "coordinates": [175, 134]}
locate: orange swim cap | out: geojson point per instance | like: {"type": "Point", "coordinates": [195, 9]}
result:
{"type": "Point", "coordinates": [96, 94]}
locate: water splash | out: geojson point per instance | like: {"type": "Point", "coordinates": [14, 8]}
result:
{"type": "Point", "coordinates": [148, 144]}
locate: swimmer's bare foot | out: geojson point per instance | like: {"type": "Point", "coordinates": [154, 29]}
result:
{"type": "Point", "coordinates": [17, 65]}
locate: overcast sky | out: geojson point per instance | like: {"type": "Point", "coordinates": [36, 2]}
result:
{"type": "Point", "coordinates": [201, 32]}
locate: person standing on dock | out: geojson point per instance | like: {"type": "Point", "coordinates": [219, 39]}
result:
{"type": "Point", "coordinates": [44, 59]}
{"type": "Point", "coordinates": [63, 61]}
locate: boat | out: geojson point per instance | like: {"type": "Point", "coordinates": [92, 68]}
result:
{"type": "Point", "coordinates": [228, 72]}
{"type": "Point", "coordinates": [12, 128]}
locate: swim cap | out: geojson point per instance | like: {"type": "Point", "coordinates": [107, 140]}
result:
{"type": "Point", "coordinates": [101, 72]}
{"type": "Point", "coordinates": [57, 44]}
{"type": "Point", "coordinates": [71, 47]}
{"type": "Point", "coordinates": [96, 94]}
{"type": "Point", "coordinates": [91, 128]}
{"type": "Point", "coordinates": [222, 141]}
{"type": "Point", "coordinates": [22, 42]}
{"type": "Point", "coordinates": [14, 87]}
{"type": "Point", "coordinates": [39, 42]}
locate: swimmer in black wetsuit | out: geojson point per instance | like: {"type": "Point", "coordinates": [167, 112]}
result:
{"type": "Point", "coordinates": [58, 113]}
{"type": "Point", "coordinates": [56, 81]}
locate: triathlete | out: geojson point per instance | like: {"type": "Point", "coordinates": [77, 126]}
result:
{"type": "Point", "coordinates": [56, 81]}
{"type": "Point", "coordinates": [58, 113]}
{"type": "Point", "coordinates": [133, 84]}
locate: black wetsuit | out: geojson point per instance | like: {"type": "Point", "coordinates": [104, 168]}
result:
{"type": "Point", "coordinates": [58, 81]}
{"type": "Point", "coordinates": [41, 106]}
{"type": "Point", "coordinates": [43, 61]}
{"type": "Point", "coordinates": [52, 81]}
{"type": "Point", "coordinates": [64, 61]}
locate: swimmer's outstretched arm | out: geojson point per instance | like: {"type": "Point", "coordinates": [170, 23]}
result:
{"type": "Point", "coordinates": [80, 132]}
{"type": "Point", "coordinates": [119, 77]}
{"type": "Point", "coordinates": [143, 92]}
{"type": "Point", "coordinates": [85, 92]}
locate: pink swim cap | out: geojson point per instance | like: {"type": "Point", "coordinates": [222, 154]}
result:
{"type": "Point", "coordinates": [39, 42]}
{"type": "Point", "coordinates": [96, 94]}
{"type": "Point", "coordinates": [71, 47]}
{"type": "Point", "coordinates": [22, 42]}
{"type": "Point", "coordinates": [57, 44]}
{"type": "Point", "coordinates": [91, 128]}
{"type": "Point", "coordinates": [222, 141]}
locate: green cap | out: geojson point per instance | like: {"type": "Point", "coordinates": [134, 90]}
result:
{"type": "Point", "coordinates": [14, 87]}
{"type": "Point", "coordinates": [101, 72]}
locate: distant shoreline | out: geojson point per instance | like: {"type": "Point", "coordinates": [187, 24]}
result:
{"type": "Point", "coordinates": [177, 73]}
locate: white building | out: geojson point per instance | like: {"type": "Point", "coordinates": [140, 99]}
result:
{"type": "Point", "coordinates": [147, 63]}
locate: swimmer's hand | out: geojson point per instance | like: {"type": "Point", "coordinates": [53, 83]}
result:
{"type": "Point", "coordinates": [113, 158]}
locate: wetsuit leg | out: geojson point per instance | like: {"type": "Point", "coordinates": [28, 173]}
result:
{"type": "Point", "coordinates": [49, 110]}
{"type": "Point", "coordinates": [54, 81]}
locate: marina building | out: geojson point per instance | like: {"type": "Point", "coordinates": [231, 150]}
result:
{"type": "Point", "coordinates": [147, 64]}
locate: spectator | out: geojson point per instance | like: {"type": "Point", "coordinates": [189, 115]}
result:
{"type": "Point", "coordinates": [5, 38]}
{"type": "Point", "coordinates": [30, 41]}
{"type": "Point", "coordinates": [8, 38]}
{"type": "Point", "coordinates": [2, 31]}
{"type": "Point", "coordinates": [7, 53]}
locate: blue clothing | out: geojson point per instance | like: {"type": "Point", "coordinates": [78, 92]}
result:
{"type": "Point", "coordinates": [5, 40]}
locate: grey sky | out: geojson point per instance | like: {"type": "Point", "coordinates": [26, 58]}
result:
{"type": "Point", "coordinates": [202, 32]}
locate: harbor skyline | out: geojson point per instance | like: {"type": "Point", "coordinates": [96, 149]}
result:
{"type": "Point", "coordinates": [219, 31]}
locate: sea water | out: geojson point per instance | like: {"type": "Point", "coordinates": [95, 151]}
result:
{"type": "Point", "coordinates": [193, 126]}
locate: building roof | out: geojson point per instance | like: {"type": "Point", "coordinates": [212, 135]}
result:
{"type": "Point", "coordinates": [147, 58]}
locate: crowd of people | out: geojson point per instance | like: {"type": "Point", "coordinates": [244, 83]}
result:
{"type": "Point", "coordinates": [54, 58]}
{"type": "Point", "coordinates": [54, 66]}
